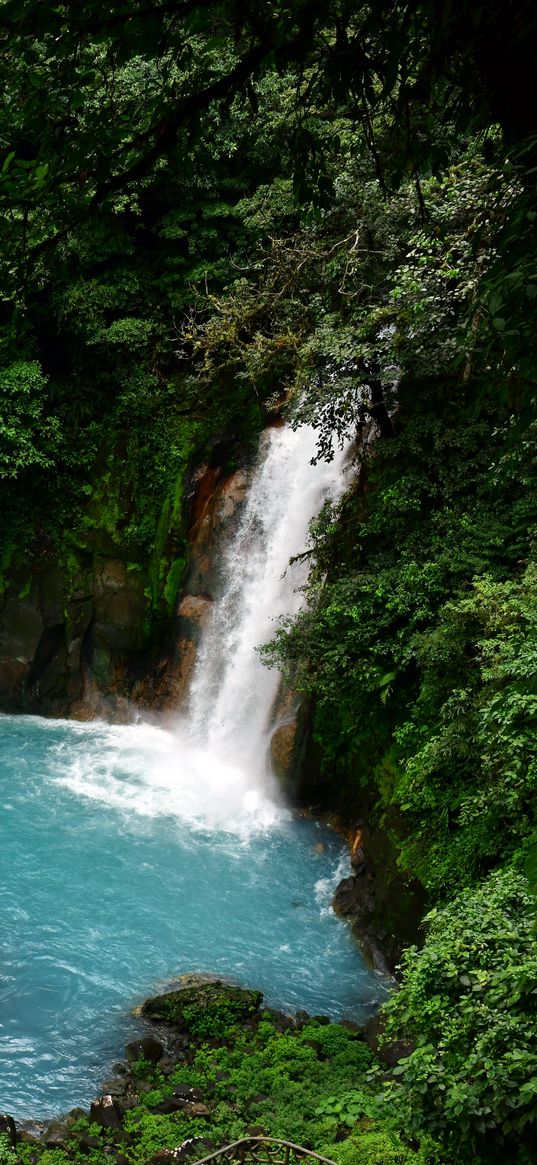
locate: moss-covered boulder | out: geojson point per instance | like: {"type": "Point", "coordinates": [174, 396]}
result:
{"type": "Point", "coordinates": [207, 1009]}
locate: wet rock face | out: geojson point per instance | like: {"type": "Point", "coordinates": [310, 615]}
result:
{"type": "Point", "coordinates": [73, 633]}
{"type": "Point", "coordinates": [216, 504]}
{"type": "Point", "coordinates": [64, 641]}
{"type": "Point", "coordinates": [288, 742]}
{"type": "Point", "coordinates": [282, 749]}
{"type": "Point", "coordinates": [74, 624]}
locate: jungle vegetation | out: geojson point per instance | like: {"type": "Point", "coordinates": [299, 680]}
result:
{"type": "Point", "coordinates": [209, 207]}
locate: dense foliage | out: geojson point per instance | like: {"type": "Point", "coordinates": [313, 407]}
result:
{"type": "Point", "coordinates": [309, 1085]}
{"type": "Point", "coordinates": [468, 1002]}
{"type": "Point", "coordinates": [205, 208]}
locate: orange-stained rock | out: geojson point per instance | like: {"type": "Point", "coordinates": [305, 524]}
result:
{"type": "Point", "coordinates": [193, 612]}
{"type": "Point", "coordinates": [194, 607]}
{"type": "Point", "coordinates": [214, 505]}
{"type": "Point", "coordinates": [282, 750]}
{"type": "Point", "coordinates": [357, 848]}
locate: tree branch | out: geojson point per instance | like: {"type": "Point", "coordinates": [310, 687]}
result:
{"type": "Point", "coordinates": [165, 133]}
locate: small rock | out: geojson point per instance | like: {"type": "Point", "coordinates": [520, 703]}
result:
{"type": "Point", "coordinates": [26, 1138]}
{"type": "Point", "coordinates": [354, 896]}
{"type": "Point", "coordinates": [193, 1147]}
{"type": "Point", "coordinates": [351, 1026]}
{"type": "Point", "coordinates": [283, 1022]}
{"type": "Point", "coordinates": [142, 1086]}
{"type": "Point", "coordinates": [107, 1112]}
{"type": "Point", "coordinates": [186, 1092]}
{"type": "Point", "coordinates": [357, 848]}
{"type": "Point", "coordinates": [8, 1127]}
{"type": "Point", "coordinates": [75, 1114]}
{"type": "Point", "coordinates": [115, 1087]}
{"type": "Point", "coordinates": [198, 1109]}
{"type": "Point", "coordinates": [390, 1053]}
{"type": "Point", "coordinates": [257, 1099]}
{"type": "Point", "coordinates": [87, 1142]}
{"type": "Point", "coordinates": [56, 1135]}
{"type": "Point", "coordinates": [172, 1104]}
{"type": "Point", "coordinates": [147, 1048]}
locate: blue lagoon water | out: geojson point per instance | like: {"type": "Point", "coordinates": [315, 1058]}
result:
{"type": "Point", "coordinates": [133, 854]}
{"type": "Point", "coordinates": [120, 870]}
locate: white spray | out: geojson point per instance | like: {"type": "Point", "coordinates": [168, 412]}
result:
{"type": "Point", "coordinates": [232, 692]}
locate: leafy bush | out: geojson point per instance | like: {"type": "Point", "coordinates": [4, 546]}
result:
{"type": "Point", "coordinates": [29, 439]}
{"type": "Point", "coordinates": [468, 1002]}
{"type": "Point", "coordinates": [372, 1145]}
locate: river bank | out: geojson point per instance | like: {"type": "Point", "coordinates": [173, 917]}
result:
{"type": "Point", "coordinates": [213, 1065]}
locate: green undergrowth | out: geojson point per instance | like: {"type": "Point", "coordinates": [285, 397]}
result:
{"type": "Point", "coordinates": [206, 1011]}
{"type": "Point", "coordinates": [418, 645]}
{"type": "Point", "coordinates": [312, 1087]}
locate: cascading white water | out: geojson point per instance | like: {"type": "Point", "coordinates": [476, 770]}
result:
{"type": "Point", "coordinates": [232, 693]}
{"type": "Point", "coordinates": [209, 769]}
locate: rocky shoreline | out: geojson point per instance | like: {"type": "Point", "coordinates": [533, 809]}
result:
{"type": "Point", "coordinates": [201, 1011]}
{"type": "Point", "coordinates": [383, 909]}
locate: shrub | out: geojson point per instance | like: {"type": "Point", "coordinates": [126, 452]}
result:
{"type": "Point", "coordinates": [468, 1002]}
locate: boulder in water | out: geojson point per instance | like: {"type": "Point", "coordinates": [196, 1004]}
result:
{"type": "Point", "coordinates": [207, 1009]}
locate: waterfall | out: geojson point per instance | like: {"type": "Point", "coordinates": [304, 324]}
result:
{"type": "Point", "coordinates": [208, 769]}
{"type": "Point", "coordinates": [232, 693]}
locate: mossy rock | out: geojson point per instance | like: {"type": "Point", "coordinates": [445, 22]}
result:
{"type": "Point", "coordinates": [208, 1009]}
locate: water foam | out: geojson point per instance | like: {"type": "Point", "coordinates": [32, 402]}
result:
{"type": "Point", "coordinates": [153, 773]}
